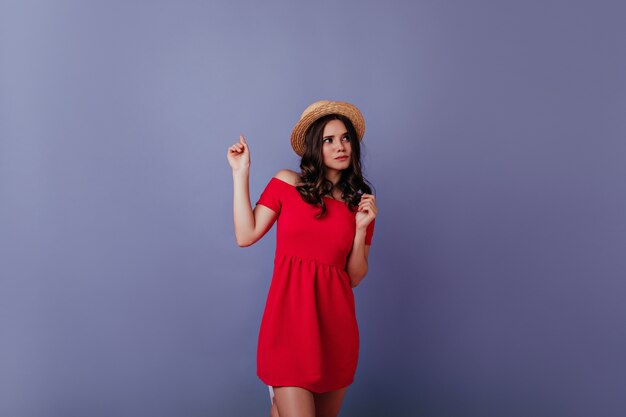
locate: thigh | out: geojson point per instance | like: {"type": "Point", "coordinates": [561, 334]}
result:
{"type": "Point", "coordinates": [329, 403]}
{"type": "Point", "coordinates": [294, 402]}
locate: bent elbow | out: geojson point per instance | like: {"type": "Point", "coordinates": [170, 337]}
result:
{"type": "Point", "coordinates": [356, 280]}
{"type": "Point", "coordinates": [242, 243]}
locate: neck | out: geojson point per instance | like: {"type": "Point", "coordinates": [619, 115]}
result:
{"type": "Point", "coordinates": [333, 176]}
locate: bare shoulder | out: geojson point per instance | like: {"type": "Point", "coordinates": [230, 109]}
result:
{"type": "Point", "coordinates": [288, 176]}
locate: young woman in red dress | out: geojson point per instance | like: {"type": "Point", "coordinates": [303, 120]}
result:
{"type": "Point", "coordinates": [308, 342]}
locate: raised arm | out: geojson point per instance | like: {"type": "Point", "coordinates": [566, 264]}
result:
{"type": "Point", "coordinates": [250, 225]}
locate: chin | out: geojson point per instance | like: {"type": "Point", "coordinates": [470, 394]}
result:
{"type": "Point", "coordinates": [339, 166]}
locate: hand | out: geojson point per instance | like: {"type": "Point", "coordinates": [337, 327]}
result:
{"type": "Point", "coordinates": [239, 155]}
{"type": "Point", "coordinates": [366, 211]}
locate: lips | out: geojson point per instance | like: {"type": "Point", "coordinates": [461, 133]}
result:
{"type": "Point", "coordinates": [342, 157]}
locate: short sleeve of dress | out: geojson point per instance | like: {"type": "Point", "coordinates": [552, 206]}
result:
{"type": "Point", "coordinates": [270, 197]}
{"type": "Point", "coordinates": [369, 232]}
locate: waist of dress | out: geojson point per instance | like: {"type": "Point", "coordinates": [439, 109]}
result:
{"type": "Point", "coordinates": [335, 263]}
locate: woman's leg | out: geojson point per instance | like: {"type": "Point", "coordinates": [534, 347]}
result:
{"type": "Point", "coordinates": [274, 408]}
{"type": "Point", "coordinates": [329, 403]}
{"type": "Point", "coordinates": [294, 402]}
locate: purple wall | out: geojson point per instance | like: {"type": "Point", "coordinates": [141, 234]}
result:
{"type": "Point", "coordinates": [495, 140]}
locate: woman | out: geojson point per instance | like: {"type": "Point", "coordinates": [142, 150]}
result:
{"type": "Point", "coordinates": [308, 340]}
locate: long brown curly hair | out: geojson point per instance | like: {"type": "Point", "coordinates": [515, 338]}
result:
{"type": "Point", "coordinates": [312, 178]}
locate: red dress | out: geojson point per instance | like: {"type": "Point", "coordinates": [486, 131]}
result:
{"type": "Point", "coordinates": [309, 335]}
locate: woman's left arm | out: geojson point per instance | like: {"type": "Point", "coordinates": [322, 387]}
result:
{"type": "Point", "coordinates": [357, 260]}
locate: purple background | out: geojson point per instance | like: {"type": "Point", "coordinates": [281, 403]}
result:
{"type": "Point", "coordinates": [495, 141]}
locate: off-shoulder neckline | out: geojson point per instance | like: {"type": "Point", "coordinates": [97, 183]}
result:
{"type": "Point", "coordinates": [294, 187]}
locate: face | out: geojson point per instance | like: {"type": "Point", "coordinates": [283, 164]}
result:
{"type": "Point", "coordinates": [336, 143]}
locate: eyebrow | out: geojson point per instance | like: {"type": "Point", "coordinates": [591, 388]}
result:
{"type": "Point", "coordinates": [330, 136]}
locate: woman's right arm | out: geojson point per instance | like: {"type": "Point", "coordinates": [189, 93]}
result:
{"type": "Point", "coordinates": [250, 225]}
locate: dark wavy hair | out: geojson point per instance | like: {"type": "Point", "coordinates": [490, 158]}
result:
{"type": "Point", "coordinates": [313, 182]}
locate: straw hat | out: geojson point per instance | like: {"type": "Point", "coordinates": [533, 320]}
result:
{"type": "Point", "coordinates": [322, 108]}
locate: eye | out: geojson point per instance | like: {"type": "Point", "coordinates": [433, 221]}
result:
{"type": "Point", "coordinates": [345, 139]}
